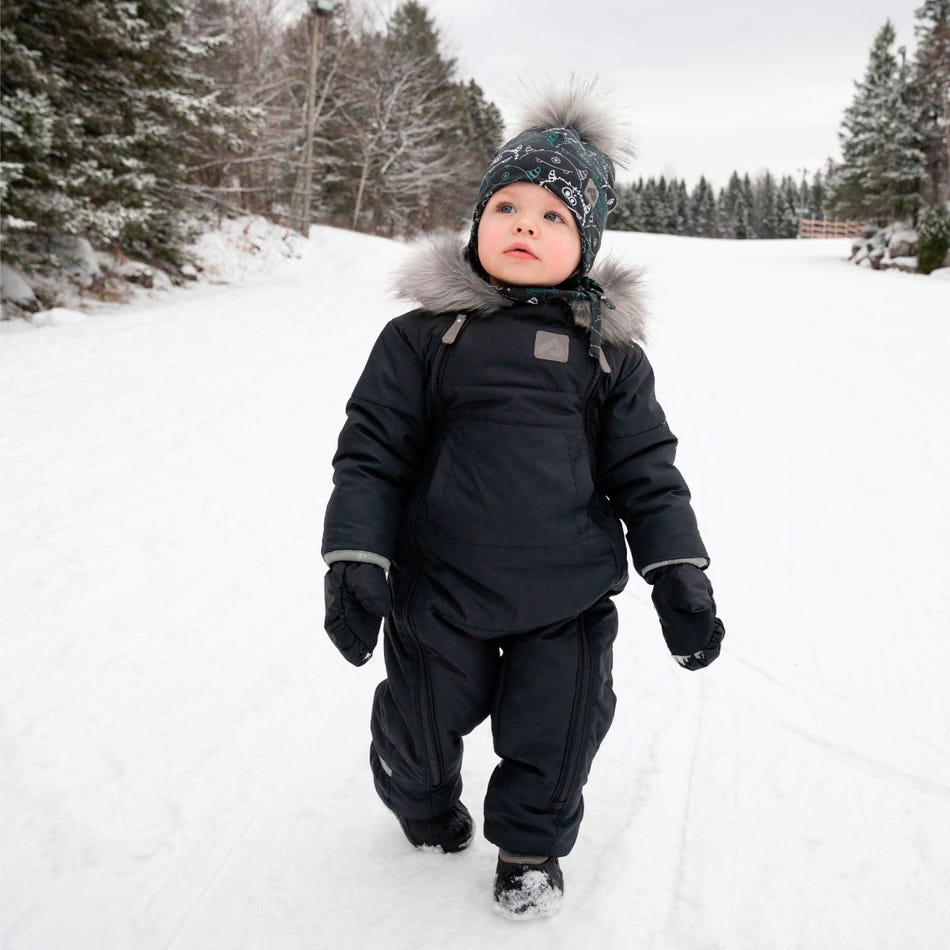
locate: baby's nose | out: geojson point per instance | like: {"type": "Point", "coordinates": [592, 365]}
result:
{"type": "Point", "coordinates": [524, 228]}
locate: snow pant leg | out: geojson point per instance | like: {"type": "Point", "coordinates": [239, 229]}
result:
{"type": "Point", "coordinates": [553, 707]}
{"type": "Point", "coordinates": [439, 687]}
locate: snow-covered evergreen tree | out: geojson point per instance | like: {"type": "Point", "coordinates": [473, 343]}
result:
{"type": "Point", "coordinates": [723, 215]}
{"type": "Point", "coordinates": [121, 108]}
{"type": "Point", "coordinates": [628, 215]}
{"type": "Point", "coordinates": [882, 163]}
{"type": "Point", "coordinates": [743, 223]}
{"type": "Point", "coordinates": [933, 239]}
{"type": "Point", "coordinates": [932, 95]}
{"type": "Point", "coordinates": [748, 203]}
{"type": "Point", "coordinates": [683, 220]}
{"type": "Point", "coordinates": [766, 207]}
{"type": "Point", "coordinates": [28, 123]}
{"type": "Point", "coordinates": [788, 197]}
{"type": "Point", "coordinates": [650, 214]}
{"type": "Point", "coordinates": [703, 205]}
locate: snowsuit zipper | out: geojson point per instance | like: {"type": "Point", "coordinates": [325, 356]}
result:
{"type": "Point", "coordinates": [619, 552]}
{"type": "Point", "coordinates": [433, 753]}
{"type": "Point", "coordinates": [578, 723]}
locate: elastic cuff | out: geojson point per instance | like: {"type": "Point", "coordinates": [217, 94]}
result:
{"type": "Point", "coordinates": [366, 557]}
{"type": "Point", "coordinates": [700, 562]}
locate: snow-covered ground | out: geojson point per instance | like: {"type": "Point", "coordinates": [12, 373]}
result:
{"type": "Point", "coordinates": [184, 754]}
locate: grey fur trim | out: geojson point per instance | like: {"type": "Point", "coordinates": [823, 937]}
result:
{"type": "Point", "coordinates": [622, 284]}
{"type": "Point", "coordinates": [587, 110]}
{"type": "Point", "coordinates": [437, 276]}
{"type": "Point", "coordinates": [363, 557]}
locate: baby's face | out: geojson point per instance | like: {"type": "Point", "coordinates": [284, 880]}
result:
{"type": "Point", "coordinates": [527, 237]}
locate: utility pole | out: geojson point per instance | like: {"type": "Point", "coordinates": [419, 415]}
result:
{"type": "Point", "coordinates": [300, 214]}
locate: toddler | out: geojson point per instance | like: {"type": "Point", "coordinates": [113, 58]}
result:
{"type": "Point", "coordinates": [494, 443]}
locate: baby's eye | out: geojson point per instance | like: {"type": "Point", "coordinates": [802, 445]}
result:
{"type": "Point", "coordinates": [553, 216]}
{"type": "Point", "coordinates": [506, 207]}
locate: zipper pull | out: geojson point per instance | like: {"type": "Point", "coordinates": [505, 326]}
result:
{"type": "Point", "coordinates": [454, 330]}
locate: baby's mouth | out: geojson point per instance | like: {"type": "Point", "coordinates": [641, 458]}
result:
{"type": "Point", "coordinates": [522, 253]}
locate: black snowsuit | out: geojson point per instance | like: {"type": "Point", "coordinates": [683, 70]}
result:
{"type": "Point", "coordinates": [488, 459]}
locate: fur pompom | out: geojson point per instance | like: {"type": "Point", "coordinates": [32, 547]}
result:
{"type": "Point", "coordinates": [581, 106]}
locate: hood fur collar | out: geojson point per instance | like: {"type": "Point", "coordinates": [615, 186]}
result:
{"type": "Point", "coordinates": [438, 278]}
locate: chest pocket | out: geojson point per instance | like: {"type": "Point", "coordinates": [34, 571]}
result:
{"type": "Point", "coordinates": [505, 485]}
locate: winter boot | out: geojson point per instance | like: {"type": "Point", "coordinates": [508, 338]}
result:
{"type": "Point", "coordinates": [523, 891]}
{"type": "Point", "coordinates": [449, 832]}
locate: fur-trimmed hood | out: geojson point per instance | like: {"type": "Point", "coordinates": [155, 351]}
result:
{"type": "Point", "coordinates": [438, 277]}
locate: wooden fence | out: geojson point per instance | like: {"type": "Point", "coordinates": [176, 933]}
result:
{"type": "Point", "coordinates": [813, 228]}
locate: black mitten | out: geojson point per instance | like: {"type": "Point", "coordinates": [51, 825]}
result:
{"type": "Point", "coordinates": [357, 596]}
{"type": "Point", "coordinates": [683, 598]}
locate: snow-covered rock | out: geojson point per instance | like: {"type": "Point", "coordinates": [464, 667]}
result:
{"type": "Point", "coordinates": [893, 247]}
{"type": "Point", "coordinates": [57, 317]}
{"type": "Point", "coordinates": [907, 264]}
{"type": "Point", "coordinates": [902, 243]}
{"type": "Point", "coordinates": [245, 246]}
{"type": "Point", "coordinates": [941, 273]}
{"type": "Point", "coordinates": [80, 261]}
{"type": "Point", "coordinates": [136, 272]}
{"type": "Point", "coordinates": [16, 290]}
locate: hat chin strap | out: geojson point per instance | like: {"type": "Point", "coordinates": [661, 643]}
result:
{"type": "Point", "coordinates": [587, 289]}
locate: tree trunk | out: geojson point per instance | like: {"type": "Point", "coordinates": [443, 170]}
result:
{"type": "Point", "coordinates": [358, 204]}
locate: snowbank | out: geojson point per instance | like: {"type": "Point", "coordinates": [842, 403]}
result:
{"type": "Point", "coordinates": [241, 249]}
{"type": "Point", "coordinates": [57, 317]}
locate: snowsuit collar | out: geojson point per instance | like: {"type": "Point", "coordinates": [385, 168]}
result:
{"type": "Point", "coordinates": [437, 276]}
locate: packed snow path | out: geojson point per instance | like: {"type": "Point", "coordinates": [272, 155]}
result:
{"type": "Point", "coordinates": [184, 754]}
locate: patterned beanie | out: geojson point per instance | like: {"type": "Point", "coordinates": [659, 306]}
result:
{"type": "Point", "coordinates": [564, 151]}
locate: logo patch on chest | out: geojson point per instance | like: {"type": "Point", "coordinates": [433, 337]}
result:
{"type": "Point", "coordinates": [551, 346]}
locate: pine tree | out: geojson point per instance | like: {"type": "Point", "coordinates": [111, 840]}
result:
{"type": "Point", "coordinates": [749, 224]}
{"type": "Point", "coordinates": [474, 133]}
{"type": "Point", "coordinates": [789, 195]}
{"type": "Point", "coordinates": [743, 225]}
{"type": "Point", "coordinates": [627, 213]}
{"type": "Point", "coordinates": [650, 207]}
{"type": "Point", "coordinates": [882, 163]}
{"type": "Point", "coordinates": [124, 107]}
{"type": "Point", "coordinates": [933, 239]}
{"type": "Point", "coordinates": [723, 223]}
{"type": "Point", "coordinates": [931, 97]}
{"type": "Point", "coordinates": [728, 202]}
{"type": "Point", "coordinates": [703, 207]}
{"type": "Point", "coordinates": [767, 207]}
{"type": "Point", "coordinates": [28, 127]}
{"type": "Point", "coordinates": [665, 215]}
{"type": "Point", "coordinates": [682, 222]}
{"type": "Point", "coordinates": [804, 196]}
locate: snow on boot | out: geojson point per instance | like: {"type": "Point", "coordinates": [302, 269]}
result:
{"type": "Point", "coordinates": [451, 831]}
{"type": "Point", "coordinates": [523, 891]}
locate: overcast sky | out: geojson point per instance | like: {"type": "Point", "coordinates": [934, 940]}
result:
{"type": "Point", "coordinates": [709, 87]}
